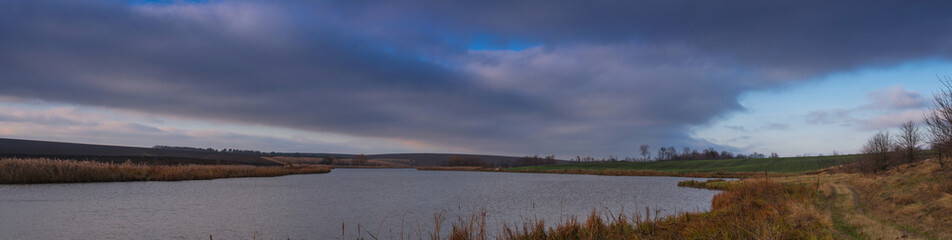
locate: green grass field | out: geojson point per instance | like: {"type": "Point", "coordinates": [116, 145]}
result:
{"type": "Point", "coordinates": [782, 165]}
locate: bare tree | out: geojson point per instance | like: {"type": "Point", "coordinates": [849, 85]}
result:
{"type": "Point", "coordinates": [909, 139]}
{"type": "Point", "coordinates": [645, 154]}
{"type": "Point", "coordinates": [876, 152]}
{"type": "Point", "coordinates": [939, 120]}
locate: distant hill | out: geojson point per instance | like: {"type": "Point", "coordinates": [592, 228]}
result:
{"type": "Point", "coordinates": [104, 153]}
{"type": "Point", "coordinates": [437, 159]}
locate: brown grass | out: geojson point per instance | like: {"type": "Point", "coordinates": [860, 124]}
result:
{"type": "Point", "coordinates": [915, 198]}
{"type": "Point", "coordinates": [23, 171]}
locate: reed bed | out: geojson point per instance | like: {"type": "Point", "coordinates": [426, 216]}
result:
{"type": "Point", "coordinates": [711, 184]}
{"type": "Point", "coordinates": [41, 170]}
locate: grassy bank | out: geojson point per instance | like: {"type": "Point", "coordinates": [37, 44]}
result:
{"type": "Point", "coordinates": [909, 201]}
{"type": "Point", "coordinates": [777, 165]}
{"type": "Point", "coordinates": [22, 171]}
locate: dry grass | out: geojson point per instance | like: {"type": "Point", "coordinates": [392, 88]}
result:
{"type": "Point", "coordinates": [908, 201]}
{"type": "Point", "coordinates": [23, 171]}
{"type": "Point", "coordinates": [915, 198]}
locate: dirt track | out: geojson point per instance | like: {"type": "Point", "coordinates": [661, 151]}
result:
{"type": "Point", "coordinates": [846, 204]}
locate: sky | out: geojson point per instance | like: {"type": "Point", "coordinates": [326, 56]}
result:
{"type": "Point", "coordinates": [493, 77]}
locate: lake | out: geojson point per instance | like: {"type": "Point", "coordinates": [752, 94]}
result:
{"type": "Point", "coordinates": [384, 202]}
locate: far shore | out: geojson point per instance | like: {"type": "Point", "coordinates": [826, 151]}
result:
{"type": "Point", "coordinates": [613, 172]}
{"type": "Point", "coordinates": [41, 170]}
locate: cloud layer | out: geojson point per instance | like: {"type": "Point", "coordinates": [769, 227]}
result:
{"type": "Point", "coordinates": [591, 78]}
{"type": "Point", "coordinates": [888, 108]}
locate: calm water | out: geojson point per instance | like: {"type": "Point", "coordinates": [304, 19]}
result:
{"type": "Point", "coordinates": [316, 206]}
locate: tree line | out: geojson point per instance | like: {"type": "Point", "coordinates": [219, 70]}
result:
{"type": "Point", "coordinates": [469, 161]}
{"type": "Point", "coordinates": [672, 154]}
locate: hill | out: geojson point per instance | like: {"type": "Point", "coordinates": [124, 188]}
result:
{"type": "Point", "coordinates": [103, 153]}
{"type": "Point", "coordinates": [16, 148]}
{"type": "Point", "coordinates": [438, 159]}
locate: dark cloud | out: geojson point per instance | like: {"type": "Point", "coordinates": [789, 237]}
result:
{"type": "Point", "coordinates": [602, 79]}
{"type": "Point", "coordinates": [788, 40]}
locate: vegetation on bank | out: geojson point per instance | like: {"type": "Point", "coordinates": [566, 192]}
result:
{"type": "Point", "coordinates": [608, 172]}
{"type": "Point", "coordinates": [753, 209]}
{"type": "Point", "coordinates": [712, 184]}
{"type": "Point", "coordinates": [905, 201]}
{"type": "Point", "coordinates": [632, 172]}
{"type": "Point", "coordinates": [722, 168]}
{"type": "Point", "coordinates": [24, 171]}
{"type": "Point", "coordinates": [778, 165]}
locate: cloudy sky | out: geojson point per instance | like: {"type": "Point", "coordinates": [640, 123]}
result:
{"type": "Point", "coordinates": [497, 77]}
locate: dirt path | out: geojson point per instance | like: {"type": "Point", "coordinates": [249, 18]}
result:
{"type": "Point", "coordinates": [856, 203]}
{"type": "Point", "coordinates": [847, 204]}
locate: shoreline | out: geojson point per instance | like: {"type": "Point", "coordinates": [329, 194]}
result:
{"type": "Point", "coordinates": [618, 172]}
{"type": "Point", "coordinates": [40, 170]}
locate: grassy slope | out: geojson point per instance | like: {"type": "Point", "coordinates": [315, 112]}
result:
{"type": "Point", "coordinates": [784, 165]}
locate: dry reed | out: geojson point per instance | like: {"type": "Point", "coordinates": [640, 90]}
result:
{"type": "Point", "coordinates": [25, 171]}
